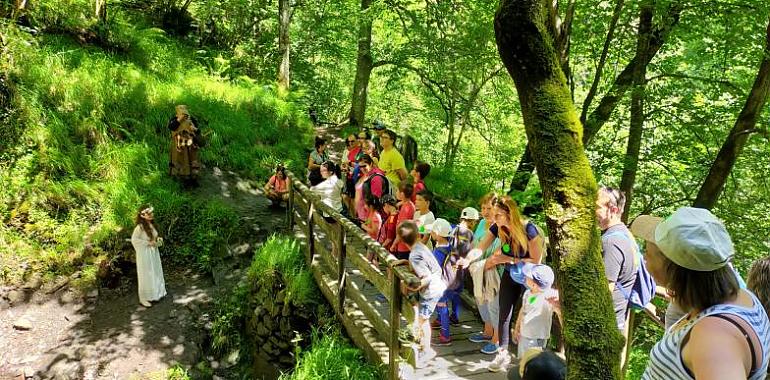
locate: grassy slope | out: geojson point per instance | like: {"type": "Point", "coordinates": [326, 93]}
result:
{"type": "Point", "coordinates": [88, 145]}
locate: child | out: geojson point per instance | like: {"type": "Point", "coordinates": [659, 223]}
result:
{"type": "Point", "coordinates": [431, 287]}
{"type": "Point", "coordinates": [419, 171]}
{"type": "Point", "coordinates": [405, 212]}
{"type": "Point", "coordinates": [461, 241]}
{"type": "Point", "coordinates": [533, 326]}
{"type": "Point", "coordinates": [423, 216]}
{"type": "Point", "coordinates": [440, 231]}
{"type": "Point", "coordinates": [372, 223]}
{"type": "Point", "coordinates": [388, 230]}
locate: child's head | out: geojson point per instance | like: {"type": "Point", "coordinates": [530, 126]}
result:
{"type": "Point", "coordinates": [539, 276]}
{"type": "Point", "coordinates": [439, 230]}
{"type": "Point", "coordinates": [470, 216]}
{"type": "Point", "coordinates": [407, 231]}
{"type": "Point", "coordinates": [405, 191]}
{"type": "Point", "coordinates": [423, 200]}
{"type": "Point", "coordinates": [420, 170]}
{"type": "Point", "coordinates": [537, 364]}
{"type": "Point", "coordinates": [389, 204]}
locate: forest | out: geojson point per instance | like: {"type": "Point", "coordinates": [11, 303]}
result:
{"type": "Point", "coordinates": [665, 100]}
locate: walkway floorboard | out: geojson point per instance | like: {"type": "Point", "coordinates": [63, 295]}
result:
{"type": "Point", "coordinates": [461, 360]}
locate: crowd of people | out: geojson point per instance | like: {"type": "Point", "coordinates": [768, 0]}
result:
{"type": "Point", "coordinates": [716, 326]}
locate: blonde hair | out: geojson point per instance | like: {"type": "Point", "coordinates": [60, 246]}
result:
{"type": "Point", "coordinates": [518, 236]}
{"type": "Point", "coordinates": [526, 357]}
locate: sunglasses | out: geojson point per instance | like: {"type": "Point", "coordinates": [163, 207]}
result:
{"type": "Point", "coordinates": [361, 138]}
{"type": "Point", "coordinates": [351, 141]}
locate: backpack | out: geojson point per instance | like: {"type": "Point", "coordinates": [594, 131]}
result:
{"type": "Point", "coordinates": [643, 290]}
{"type": "Point", "coordinates": [449, 272]}
{"type": "Point", "coordinates": [387, 189]}
{"type": "Point", "coordinates": [460, 246]}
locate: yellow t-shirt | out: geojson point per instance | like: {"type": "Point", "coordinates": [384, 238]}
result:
{"type": "Point", "coordinates": [390, 162]}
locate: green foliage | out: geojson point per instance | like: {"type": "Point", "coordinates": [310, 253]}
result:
{"type": "Point", "coordinates": [280, 259]}
{"type": "Point", "coordinates": [177, 372]}
{"type": "Point", "coordinates": [93, 146]}
{"type": "Point", "coordinates": [279, 263]}
{"type": "Point", "coordinates": [331, 356]}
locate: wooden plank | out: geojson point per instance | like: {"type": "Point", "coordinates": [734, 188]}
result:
{"type": "Point", "coordinates": [395, 323]}
{"type": "Point", "coordinates": [369, 271]}
{"type": "Point", "coordinates": [379, 320]}
{"type": "Point", "coordinates": [357, 326]}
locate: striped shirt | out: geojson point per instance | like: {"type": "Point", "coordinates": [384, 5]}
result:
{"type": "Point", "coordinates": [666, 356]}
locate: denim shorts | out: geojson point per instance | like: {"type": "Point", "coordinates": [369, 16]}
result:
{"type": "Point", "coordinates": [427, 306]}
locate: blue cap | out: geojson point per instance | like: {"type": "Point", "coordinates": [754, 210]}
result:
{"type": "Point", "coordinates": [541, 274]}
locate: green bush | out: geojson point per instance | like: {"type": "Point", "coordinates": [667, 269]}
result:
{"type": "Point", "coordinates": [331, 356]}
{"type": "Point", "coordinates": [92, 144]}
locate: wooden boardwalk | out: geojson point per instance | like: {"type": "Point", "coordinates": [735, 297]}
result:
{"type": "Point", "coordinates": [352, 286]}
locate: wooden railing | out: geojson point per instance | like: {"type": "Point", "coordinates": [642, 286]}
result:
{"type": "Point", "coordinates": [350, 248]}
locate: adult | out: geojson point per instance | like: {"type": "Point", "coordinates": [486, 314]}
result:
{"type": "Point", "coordinates": [486, 283]}
{"type": "Point", "coordinates": [330, 189]}
{"type": "Point", "coordinates": [391, 160]}
{"type": "Point", "coordinates": [317, 157]}
{"type": "Point", "coordinates": [759, 281]}
{"type": "Point", "coordinates": [367, 145]}
{"type": "Point", "coordinates": [618, 248]}
{"type": "Point", "coordinates": [149, 271]}
{"type": "Point", "coordinates": [520, 243]}
{"type": "Point", "coordinates": [185, 142]}
{"type": "Point", "coordinates": [277, 187]}
{"type": "Point", "coordinates": [379, 129]}
{"type": "Point", "coordinates": [368, 169]}
{"type": "Point", "coordinates": [725, 333]}
{"type": "Point", "coordinates": [418, 173]}
{"type": "Point", "coordinates": [350, 154]}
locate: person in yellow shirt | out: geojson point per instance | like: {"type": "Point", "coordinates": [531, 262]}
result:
{"type": "Point", "coordinates": [391, 160]}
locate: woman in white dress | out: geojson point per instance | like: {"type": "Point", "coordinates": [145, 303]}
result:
{"type": "Point", "coordinates": [149, 271]}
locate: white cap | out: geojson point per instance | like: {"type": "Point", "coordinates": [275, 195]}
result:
{"type": "Point", "coordinates": [440, 226]}
{"type": "Point", "coordinates": [692, 238]}
{"type": "Point", "coordinates": [469, 213]}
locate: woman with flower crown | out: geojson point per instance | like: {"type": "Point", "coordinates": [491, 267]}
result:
{"type": "Point", "coordinates": [149, 272]}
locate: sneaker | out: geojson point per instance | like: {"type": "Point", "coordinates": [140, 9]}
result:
{"type": "Point", "coordinates": [442, 341]}
{"type": "Point", "coordinates": [479, 337]}
{"type": "Point", "coordinates": [490, 349]}
{"type": "Point", "coordinates": [501, 362]}
{"type": "Point", "coordinates": [424, 357]}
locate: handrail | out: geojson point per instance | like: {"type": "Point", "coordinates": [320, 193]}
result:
{"type": "Point", "coordinates": [395, 276]}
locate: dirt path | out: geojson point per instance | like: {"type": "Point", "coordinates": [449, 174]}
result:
{"type": "Point", "coordinates": [50, 332]}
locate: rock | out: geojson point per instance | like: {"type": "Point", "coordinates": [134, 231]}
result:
{"type": "Point", "coordinates": [93, 294]}
{"type": "Point", "coordinates": [34, 281]}
{"type": "Point", "coordinates": [232, 358]}
{"type": "Point", "coordinates": [286, 360]}
{"type": "Point", "coordinates": [173, 314]}
{"type": "Point", "coordinates": [4, 304]}
{"type": "Point", "coordinates": [281, 296]}
{"type": "Point", "coordinates": [14, 296]}
{"type": "Point", "coordinates": [65, 369]}
{"type": "Point", "coordinates": [23, 324]}
{"type": "Point", "coordinates": [262, 331]}
{"type": "Point", "coordinates": [67, 297]}
{"type": "Point", "coordinates": [258, 311]}
{"type": "Point", "coordinates": [28, 372]}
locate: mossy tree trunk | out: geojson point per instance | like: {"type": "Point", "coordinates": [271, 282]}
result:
{"type": "Point", "coordinates": [636, 127]}
{"type": "Point", "coordinates": [364, 66]}
{"type": "Point", "coordinates": [623, 82]}
{"type": "Point", "coordinates": [284, 21]}
{"type": "Point", "coordinates": [100, 10]}
{"type": "Point", "coordinates": [744, 126]}
{"type": "Point", "coordinates": [526, 46]}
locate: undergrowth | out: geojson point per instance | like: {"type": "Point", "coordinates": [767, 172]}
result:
{"type": "Point", "coordinates": [331, 356]}
{"type": "Point", "coordinates": [88, 144]}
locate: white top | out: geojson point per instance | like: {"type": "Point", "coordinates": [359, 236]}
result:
{"type": "Point", "coordinates": [330, 191]}
{"type": "Point", "coordinates": [427, 268]}
{"type": "Point", "coordinates": [537, 313]}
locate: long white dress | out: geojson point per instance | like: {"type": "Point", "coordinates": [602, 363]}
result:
{"type": "Point", "coordinates": [149, 271]}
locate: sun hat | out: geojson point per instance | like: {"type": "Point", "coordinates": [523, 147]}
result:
{"type": "Point", "coordinates": [469, 213]}
{"type": "Point", "coordinates": [541, 274]}
{"type": "Point", "coordinates": [692, 238]}
{"type": "Point", "coordinates": [440, 226]}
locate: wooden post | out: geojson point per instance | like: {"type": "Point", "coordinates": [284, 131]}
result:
{"type": "Point", "coordinates": [310, 234]}
{"type": "Point", "coordinates": [290, 205]}
{"type": "Point", "coordinates": [631, 324]}
{"type": "Point", "coordinates": [395, 324]}
{"type": "Point", "coordinates": [341, 267]}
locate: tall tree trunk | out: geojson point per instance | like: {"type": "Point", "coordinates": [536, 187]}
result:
{"type": "Point", "coordinates": [733, 146]}
{"type": "Point", "coordinates": [364, 65]}
{"type": "Point", "coordinates": [569, 188]}
{"type": "Point", "coordinates": [602, 60]}
{"type": "Point", "coordinates": [284, 20]}
{"type": "Point", "coordinates": [631, 161]}
{"type": "Point", "coordinates": [603, 111]}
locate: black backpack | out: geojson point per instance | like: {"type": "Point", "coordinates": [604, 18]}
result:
{"type": "Point", "coordinates": [387, 189]}
{"type": "Point", "coordinates": [449, 272]}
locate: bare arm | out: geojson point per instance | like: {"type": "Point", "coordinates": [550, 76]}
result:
{"type": "Point", "coordinates": [535, 251]}
{"type": "Point", "coordinates": [717, 350]}
{"type": "Point", "coordinates": [402, 173]}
